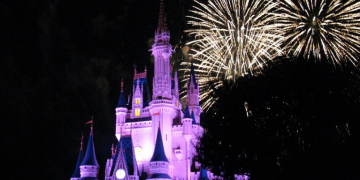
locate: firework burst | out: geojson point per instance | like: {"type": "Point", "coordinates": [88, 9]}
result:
{"type": "Point", "coordinates": [317, 28]}
{"type": "Point", "coordinates": [232, 38]}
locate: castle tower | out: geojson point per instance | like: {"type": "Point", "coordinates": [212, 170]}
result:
{"type": "Point", "coordinates": [159, 164]}
{"type": "Point", "coordinates": [162, 50]}
{"type": "Point", "coordinates": [120, 112]}
{"type": "Point", "coordinates": [145, 123]}
{"type": "Point", "coordinates": [76, 175]}
{"type": "Point", "coordinates": [89, 168]}
{"type": "Point", "coordinates": [162, 107]}
{"type": "Point", "coordinates": [193, 94]}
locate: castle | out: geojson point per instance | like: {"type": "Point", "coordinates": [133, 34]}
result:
{"type": "Point", "coordinates": [156, 139]}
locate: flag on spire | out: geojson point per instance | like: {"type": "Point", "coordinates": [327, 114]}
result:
{"type": "Point", "coordinates": [91, 121]}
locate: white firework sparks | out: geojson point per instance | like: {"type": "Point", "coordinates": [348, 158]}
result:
{"type": "Point", "coordinates": [232, 38]}
{"type": "Point", "coordinates": [317, 28]}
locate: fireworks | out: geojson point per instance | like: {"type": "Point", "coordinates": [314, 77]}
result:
{"type": "Point", "coordinates": [232, 38]}
{"type": "Point", "coordinates": [317, 28]}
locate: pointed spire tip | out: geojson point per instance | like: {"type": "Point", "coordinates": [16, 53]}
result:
{"type": "Point", "coordinates": [122, 85]}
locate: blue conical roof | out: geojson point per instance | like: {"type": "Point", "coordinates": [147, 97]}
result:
{"type": "Point", "coordinates": [90, 157]}
{"type": "Point", "coordinates": [192, 74]}
{"type": "Point", "coordinates": [121, 102]}
{"type": "Point", "coordinates": [77, 167]}
{"type": "Point", "coordinates": [193, 118]}
{"type": "Point", "coordinates": [203, 174]}
{"type": "Point", "coordinates": [159, 153]}
{"type": "Point", "coordinates": [187, 112]}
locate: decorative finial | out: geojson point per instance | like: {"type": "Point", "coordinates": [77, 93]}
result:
{"type": "Point", "coordinates": [138, 84]}
{"type": "Point", "coordinates": [91, 128]}
{"type": "Point", "coordinates": [112, 149]}
{"type": "Point", "coordinates": [122, 85]}
{"type": "Point", "coordinates": [91, 122]}
{"type": "Point", "coordinates": [82, 140]}
{"type": "Point", "coordinates": [145, 70]}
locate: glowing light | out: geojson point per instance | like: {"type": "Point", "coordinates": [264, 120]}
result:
{"type": "Point", "coordinates": [120, 174]}
{"type": "Point", "coordinates": [138, 153]}
{"type": "Point", "coordinates": [231, 39]}
{"type": "Point", "coordinates": [137, 112]}
{"type": "Point", "coordinates": [316, 28]}
{"type": "Point", "coordinates": [137, 101]}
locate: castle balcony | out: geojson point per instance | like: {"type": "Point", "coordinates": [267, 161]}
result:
{"type": "Point", "coordinates": [161, 101]}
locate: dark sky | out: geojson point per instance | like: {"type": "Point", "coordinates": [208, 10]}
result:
{"type": "Point", "coordinates": [61, 63]}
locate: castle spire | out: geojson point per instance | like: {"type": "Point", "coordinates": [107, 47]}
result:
{"type": "Point", "coordinates": [91, 127]}
{"type": "Point", "coordinates": [82, 141]}
{"type": "Point", "coordinates": [89, 167]}
{"type": "Point", "coordinates": [193, 91]}
{"type": "Point", "coordinates": [159, 164]}
{"type": "Point", "coordinates": [90, 157]}
{"type": "Point", "coordinates": [159, 153]}
{"type": "Point", "coordinates": [121, 102]}
{"type": "Point", "coordinates": [193, 118]}
{"type": "Point", "coordinates": [192, 74]}
{"type": "Point", "coordinates": [76, 174]}
{"type": "Point", "coordinates": [187, 112]}
{"type": "Point", "coordinates": [122, 85]}
{"type": "Point", "coordinates": [162, 18]}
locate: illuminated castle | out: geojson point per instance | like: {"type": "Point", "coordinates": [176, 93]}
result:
{"type": "Point", "coordinates": [156, 139]}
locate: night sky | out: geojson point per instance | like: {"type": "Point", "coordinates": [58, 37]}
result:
{"type": "Point", "coordinates": [61, 63]}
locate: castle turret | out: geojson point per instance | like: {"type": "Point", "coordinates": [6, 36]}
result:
{"type": "Point", "coordinates": [159, 164]}
{"type": "Point", "coordinates": [89, 168]}
{"type": "Point", "coordinates": [193, 94]}
{"type": "Point", "coordinates": [175, 90]}
{"type": "Point", "coordinates": [76, 175]}
{"type": "Point", "coordinates": [187, 134]}
{"type": "Point", "coordinates": [120, 112]}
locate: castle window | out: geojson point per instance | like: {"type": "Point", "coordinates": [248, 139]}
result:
{"type": "Point", "coordinates": [137, 100]}
{"type": "Point", "coordinates": [137, 112]}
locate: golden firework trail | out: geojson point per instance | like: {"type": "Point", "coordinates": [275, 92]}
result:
{"type": "Point", "coordinates": [232, 38]}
